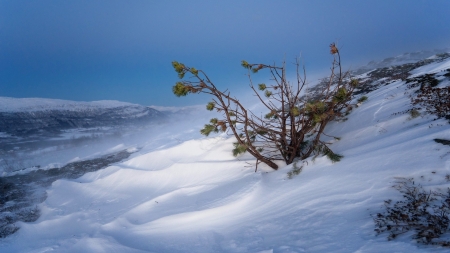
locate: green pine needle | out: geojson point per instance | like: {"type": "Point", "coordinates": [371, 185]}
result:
{"type": "Point", "coordinates": [210, 106]}
{"type": "Point", "coordinates": [180, 89]}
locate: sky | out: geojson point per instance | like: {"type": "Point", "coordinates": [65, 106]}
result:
{"type": "Point", "coordinates": [89, 50]}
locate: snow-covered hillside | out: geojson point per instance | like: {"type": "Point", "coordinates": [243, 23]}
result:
{"type": "Point", "coordinates": [41, 104]}
{"type": "Point", "coordinates": [197, 197]}
{"type": "Point", "coordinates": [402, 59]}
{"type": "Point", "coordinates": [26, 116]}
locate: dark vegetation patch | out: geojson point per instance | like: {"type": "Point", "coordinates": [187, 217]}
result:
{"type": "Point", "coordinates": [435, 100]}
{"type": "Point", "coordinates": [423, 81]}
{"type": "Point", "coordinates": [424, 214]}
{"type": "Point", "coordinates": [442, 141]}
{"type": "Point", "coordinates": [448, 73]}
{"type": "Point", "coordinates": [20, 194]}
{"type": "Point", "coordinates": [387, 75]}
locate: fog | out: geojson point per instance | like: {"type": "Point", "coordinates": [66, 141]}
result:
{"type": "Point", "coordinates": [44, 151]}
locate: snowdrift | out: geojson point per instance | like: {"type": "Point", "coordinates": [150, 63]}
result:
{"type": "Point", "coordinates": [197, 197]}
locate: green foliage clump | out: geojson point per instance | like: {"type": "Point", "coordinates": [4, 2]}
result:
{"type": "Point", "coordinates": [362, 99]}
{"type": "Point", "coordinates": [193, 71]}
{"type": "Point", "coordinates": [295, 111]}
{"type": "Point", "coordinates": [261, 132]}
{"type": "Point", "coordinates": [333, 156]}
{"type": "Point", "coordinates": [245, 64]}
{"type": "Point", "coordinates": [210, 106]}
{"type": "Point", "coordinates": [179, 68]}
{"type": "Point", "coordinates": [340, 95]}
{"type": "Point", "coordinates": [257, 68]}
{"type": "Point", "coordinates": [354, 82]}
{"type": "Point", "coordinates": [262, 86]}
{"type": "Point", "coordinates": [317, 107]}
{"type": "Point", "coordinates": [239, 149]}
{"type": "Point", "coordinates": [214, 126]}
{"type": "Point", "coordinates": [271, 115]}
{"type": "Point", "coordinates": [180, 89]}
{"type": "Point", "coordinates": [208, 129]}
{"type": "Point", "coordinates": [317, 111]}
{"type": "Point", "coordinates": [329, 153]}
{"type": "Point", "coordinates": [295, 171]}
{"type": "Point", "coordinates": [414, 113]}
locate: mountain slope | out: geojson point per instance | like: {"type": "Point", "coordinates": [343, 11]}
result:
{"type": "Point", "coordinates": [22, 116]}
{"type": "Point", "coordinates": [196, 197]}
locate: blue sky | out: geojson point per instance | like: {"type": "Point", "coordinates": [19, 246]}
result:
{"type": "Point", "coordinates": [88, 50]}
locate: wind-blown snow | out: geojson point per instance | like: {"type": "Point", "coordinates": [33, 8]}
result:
{"type": "Point", "coordinates": [431, 68]}
{"type": "Point", "coordinates": [196, 197]}
{"type": "Point", "coordinates": [175, 109]}
{"type": "Point", "coordinates": [41, 104]}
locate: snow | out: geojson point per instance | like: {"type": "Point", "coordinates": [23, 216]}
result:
{"type": "Point", "coordinates": [406, 58]}
{"type": "Point", "coordinates": [8, 104]}
{"type": "Point", "coordinates": [175, 109]}
{"type": "Point", "coordinates": [197, 197]}
{"type": "Point", "coordinates": [431, 68]}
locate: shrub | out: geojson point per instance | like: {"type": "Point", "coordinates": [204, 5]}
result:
{"type": "Point", "coordinates": [295, 171]}
{"type": "Point", "coordinates": [435, 100]}
{"type": "Point", "coordinates": [424, 213]}
{"type": "Point", "coordinates": [414, 113]}
{"type": "Point", "coordinates": [423, 80]}
{"type": "Point", "coordinates": [448, 73]}
{"type": "Point", "coordinates": [362, 99]}
{"type": "Point", "coordinates": [292, 127]}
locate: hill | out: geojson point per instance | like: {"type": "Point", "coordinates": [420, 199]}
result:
{"type": "Point", "coordinates": [197, 197]}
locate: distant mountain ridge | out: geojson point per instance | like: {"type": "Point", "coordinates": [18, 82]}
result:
{"type": "Point", "coordinates": [22, 116]}
{"type": "Point", "coordinates": [401, 59]}
{"type": "Point", "coordinates": [8, 104]}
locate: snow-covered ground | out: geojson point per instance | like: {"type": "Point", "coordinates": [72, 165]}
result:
{"type": "Point", "coordinates": [40, 104]}
{"type": "Point", "coordinates": [197, 197]}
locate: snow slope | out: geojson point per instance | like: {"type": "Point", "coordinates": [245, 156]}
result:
{"type": "Point", "coordinates": [196, 197]}
{"type": "Point", "coordinates": [8, 104]}
{"type": "Point", "coordinates": [402, 59]}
